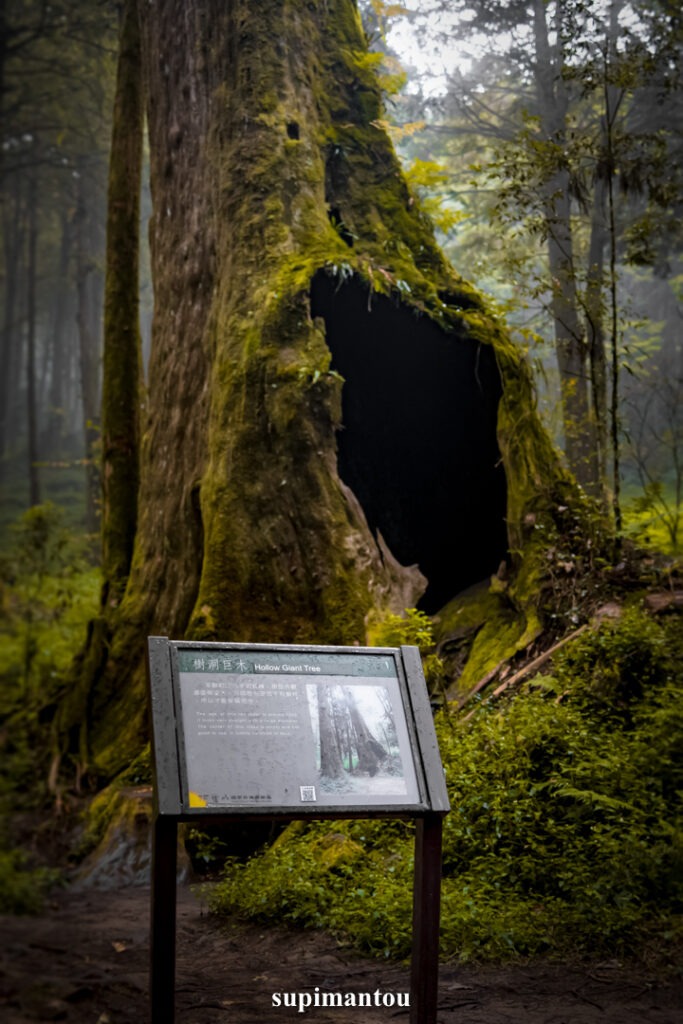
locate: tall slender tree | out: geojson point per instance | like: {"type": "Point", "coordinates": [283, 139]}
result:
{"type": "Point", "coordinates": [56, 396]}
{"type": "Point", "coordinates": [122, 362]}
{"type": "Point", "coordinates": [9, 340]}
{"type": "Point", "coordinates": [87, 319]}
{"type": "Point", "coordinates": [31, 380]}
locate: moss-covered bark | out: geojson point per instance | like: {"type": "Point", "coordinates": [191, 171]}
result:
{"type": "Point", "coordinates": [286, 555]}
{"type": "Point", "coordinates": [270, 166]}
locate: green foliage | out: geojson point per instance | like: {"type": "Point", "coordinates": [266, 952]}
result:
{"type": "Point", "coordinates": [41, 543]}
{"type": "Point", "coordinates": [205, 850]}
{"type": "Point", "coordinates": [22, 889]}
{"type": "Point", "coordinates": [344, 877]}
{"type": "Point", "coordinates": [413, 628]}
{"type": "Point", "coordinates": [609, 668]}
{"type": "Point", "coordinates": [429, 180]}
{"type": "Point", "coordinates": [653, 518]}
{"type": "Point", "coordinates": [48, 591]}
{"type": "Point", "coordinates": [565, 831]}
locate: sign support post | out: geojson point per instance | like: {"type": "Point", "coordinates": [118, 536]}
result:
{"type": "Point", "coordinates": [163, 919]}
{"type": "Point", "coordinates": [243, 731]}
{"type": "Point", "coordinates": [424, 965]}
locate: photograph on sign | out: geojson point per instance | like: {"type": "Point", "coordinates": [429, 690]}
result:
{"type": "Point", "coordinates": [356, 742]}
{"type": "Point", "coordinates": [292, 731]}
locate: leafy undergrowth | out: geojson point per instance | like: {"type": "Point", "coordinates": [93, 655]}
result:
{"type": "Point", "coordinates": [653, 517]}
{"type": "Point", "coordinates": [565, 830]}
{"type": "Point", "coordinates": [22, 887]}
{"type": "Point", "coordinates": [48, 590]}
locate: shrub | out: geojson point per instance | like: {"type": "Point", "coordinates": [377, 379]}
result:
{"type": "Point", "coordinates": [22, 890]}
{"type": "Point", "coordinates": [565, 829]}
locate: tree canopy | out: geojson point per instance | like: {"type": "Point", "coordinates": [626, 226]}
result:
{"type": "Point", "coordinates": [559, 127]}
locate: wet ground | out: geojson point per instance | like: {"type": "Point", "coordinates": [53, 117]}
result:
{"type": "Point", "coordinates": [85, 961]}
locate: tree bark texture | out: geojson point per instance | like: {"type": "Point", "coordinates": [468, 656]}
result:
{"type": "Point", "coordinates": [273, 180]}
{"type": "Point", "coordinates": [121, 377]}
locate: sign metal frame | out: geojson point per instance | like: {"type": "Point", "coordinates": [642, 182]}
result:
{"type": "Point", "coordinates": [172, 806]}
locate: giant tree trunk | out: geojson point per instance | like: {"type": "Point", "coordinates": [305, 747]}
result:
{"type": "Point", "coordinates": [279, 500]}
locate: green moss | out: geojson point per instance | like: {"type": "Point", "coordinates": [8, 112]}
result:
{"type": "Point", "coordinates": [284, 558]}
{"type": "Point", "coordinates": [98, 816]}
{"type": "Point", "coordinates": [467, 612]}
{"type": "Point", "coordinates": [500, 637]}
{"type": "Point", "coordinates": [336, 850]}
{"type": "Point", "coordinates": [475, 632]}
{"type": "Point", "coordinates": [112, 804]}
{"type": "Point", "coordinates": [118, 729]}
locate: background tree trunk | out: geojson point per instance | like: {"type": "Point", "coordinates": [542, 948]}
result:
{"type": "Point", "coordinates": [86, 319]}
{"type": "Point", "coordinates": [121, 360]}
{"type": "Point", "coordinates": [56, 421]}
{"type": "Point", "coordinates": [11, 350]}
{"type": "Point", "coordinates": [595, 315]}
{"type": "Point", "coordinates": [570, 342]}
{"type": "Point", "coordinates": [31, 382]}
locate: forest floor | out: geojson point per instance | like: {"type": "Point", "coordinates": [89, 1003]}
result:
{"type": "Point", "coordinates": [84, 960]}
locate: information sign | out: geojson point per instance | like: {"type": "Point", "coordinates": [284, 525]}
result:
{"type": "Point", "coordinates": [287, 732]}
{"type": "Point", "coordinates": [288, 729]}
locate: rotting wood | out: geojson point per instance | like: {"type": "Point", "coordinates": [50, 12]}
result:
{"type": "Point", "coordinates": [664, 601]}
{"type": "Point", "coordinates": [540, 660]}
{"type": "Point", "coordinates": [519, 675]}
{"type": "Point", "coordinates": [484, 681]}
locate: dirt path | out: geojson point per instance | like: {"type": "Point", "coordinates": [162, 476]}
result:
{"type": "Point", "coordinates": [85, 962]}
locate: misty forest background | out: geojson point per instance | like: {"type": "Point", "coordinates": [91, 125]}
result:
{"type": "Point", "coordinates": [544, 140]}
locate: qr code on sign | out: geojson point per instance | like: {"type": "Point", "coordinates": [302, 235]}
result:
{"type": "Point", "coordinates": [307, 793]}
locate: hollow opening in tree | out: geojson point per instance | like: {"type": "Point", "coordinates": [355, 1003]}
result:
{"type": "Point", "coordinates": [418, 444]}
